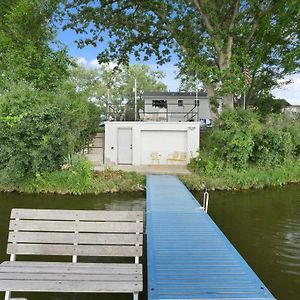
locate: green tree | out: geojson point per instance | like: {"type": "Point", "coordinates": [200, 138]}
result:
{"type": "Point", "coordinates": [147, 80]}
{"type": "Point", "coordinates": [112, 89]}
{"type": "Point", "coordinates": [27, 44]}
{"type": "Point", "coordinates": [40, 128]}
{"type": "Point", "coordinates": [213, 39]}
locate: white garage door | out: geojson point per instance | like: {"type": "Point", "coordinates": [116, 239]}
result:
{"type": "Point", "coordinates": [163, 142]}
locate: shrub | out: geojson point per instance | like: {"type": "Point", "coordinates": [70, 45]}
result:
{"type": "Point", "coordinates": [205, 164]}
{"type": "Point", "coordinates": [38, 129]}
{"type": "Point", "coordinates": [272, 147]}
{"type": "Point", "coordinates": [233, 138]}
{"type": "Point", "coordinates": [240, 140]}
{"type": "Point", "coordinates": [287, 124]}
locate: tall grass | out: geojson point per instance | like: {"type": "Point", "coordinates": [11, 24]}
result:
{"type": "Point", "coordinates": [77, 177]}
{"type": "Point", "coordinates": [252, 177]}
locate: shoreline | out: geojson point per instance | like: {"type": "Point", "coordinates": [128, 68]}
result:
{"type": "Point", "coordinates": [112, 181]}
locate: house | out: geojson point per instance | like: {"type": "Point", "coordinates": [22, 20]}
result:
{"type": "Point", "coordinates": [175, 107]}
{"type": "Point", "coordinates": [150, 143]}
{"type": "Point", "coordinates": [292, 110]}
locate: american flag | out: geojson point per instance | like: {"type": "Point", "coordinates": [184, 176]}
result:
{"type": "Point", "coordinates": [247, 75]}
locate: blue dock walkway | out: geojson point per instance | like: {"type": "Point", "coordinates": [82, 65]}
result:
{"type": "Point", "coordinates": [188, 255]}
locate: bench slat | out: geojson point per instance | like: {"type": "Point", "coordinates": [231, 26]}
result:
{"type": "Point", "coordinates": [71, 286]}
{"type": "Point", "coordinates": [87, 215]}
{"type": "Point", "coordinates": [68, 276]}
{"type": "Point", "coordinates": [70, 268]}
{"type": "Point", "coordinates": [80, 250]}
{"type": "Point", "coordinates": [71, 238]}
{"type": "Point", "coordinates": [29, 225]}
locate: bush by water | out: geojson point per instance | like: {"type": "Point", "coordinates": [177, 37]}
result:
{"type": "Point", "coordinates": [245, 151]}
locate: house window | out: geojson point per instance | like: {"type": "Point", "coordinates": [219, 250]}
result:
{"type": "Point", "coordinates": [159, 103]}
{"type": "Point", "coordinates": [180, 102]}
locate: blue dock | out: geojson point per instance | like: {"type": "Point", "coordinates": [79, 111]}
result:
{"type": "Point", "coordinates": [188, 255]}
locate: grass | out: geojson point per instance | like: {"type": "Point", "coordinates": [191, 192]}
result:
{"type": "Point", "coordinates": [80, 179]}
{"type": "Point", "coordinates": [250, 178]}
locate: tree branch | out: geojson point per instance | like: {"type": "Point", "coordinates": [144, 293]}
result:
{"type": "Point", "coordinates": [230, 29]}
{"type": "Point", "coordinates": [169, 27]}
{"type": "Point", "coordinates": [207, 23]}
{"type": "Point", "coordinates": [259, 17]}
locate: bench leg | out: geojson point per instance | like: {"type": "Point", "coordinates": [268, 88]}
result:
{"type": "Point", "coordinates": [7, 295]}
{"type": "Point", "coordinates": [135, 296]}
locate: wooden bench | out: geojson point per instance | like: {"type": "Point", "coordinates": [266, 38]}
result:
{"type": "Point", "coordinates": [74, 233]}
{"type": "Point", "coordinates": [177, 157]}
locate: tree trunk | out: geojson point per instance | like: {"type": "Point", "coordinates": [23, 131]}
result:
{"type": "Point", "coordinates": [210, 89]}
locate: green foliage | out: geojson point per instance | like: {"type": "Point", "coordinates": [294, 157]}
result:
{"type": "Point", "coordinates": [287, 124]}
{"type": "Point", "coordinates": [77, 177]}
{"type": "Point", "coordinates": [264, 102]}
{"type": "Point", "coordinates": [25, 51]}
{"type": "Point", "coordinates": [252, 177]}
{"type": "Point", "coordinates": [214, 40]}
{"type": "Point", "coordinates": [38, 129]}
{"type": "Point", "coordinates": [232, 140]}
{"type": "Point", "coordinates": [241, 142]}
{"type": "Point", "coordinates": [112, 88]}
{"type": "Point", "coordinates": [272, 147]}
{"type": "Point", "coordinates": [204, 163]}
{"type": "Point", "coordinates": [111, 181]}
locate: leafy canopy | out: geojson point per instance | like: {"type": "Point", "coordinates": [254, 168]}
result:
{"type": "Point", "coordinates": [213, 39]}
{"type": "Point", "coordinates": [26, 52]}
{"type": "Point", "coordinates": [39, 129]}
{"type": "Point", "coordinates": [112, 89]}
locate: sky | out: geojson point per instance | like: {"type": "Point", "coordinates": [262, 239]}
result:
{"type": "Point", "coordinates": [87, 56]}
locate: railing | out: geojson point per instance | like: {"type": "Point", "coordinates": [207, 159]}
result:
{"type": "Point", "coordinates": [205, 201]}
{"type": "Point", "coordinates": [160, 115]}
{"type": "Point", "coordinates": [189, 116]}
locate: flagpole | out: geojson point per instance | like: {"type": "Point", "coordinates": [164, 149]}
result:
{"type": "Point", "coordinates": [248, 80]}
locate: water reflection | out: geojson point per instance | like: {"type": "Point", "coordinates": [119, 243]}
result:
{"type": "Point", "coordinates": [264, 226]}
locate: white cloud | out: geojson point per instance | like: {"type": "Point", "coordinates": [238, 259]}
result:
{"type": "Point", "coordinates": [82, 61]}
{"type": "Point", "coordinates": [290, 92]}
{"type": "Point", "coordinates": [94, 63]}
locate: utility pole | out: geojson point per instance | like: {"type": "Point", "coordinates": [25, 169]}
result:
{"type": "Point", "coordinates": [197, 103]}
{"type": "Point", "coordinates": [244, 102]}
{"type": "Point", "coordinates": [135, 100]}
{"type": "Point", "coordinates": [108, 104]}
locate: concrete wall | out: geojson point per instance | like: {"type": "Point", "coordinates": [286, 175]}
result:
{"type": "Point", "coordinates": [147, 137]}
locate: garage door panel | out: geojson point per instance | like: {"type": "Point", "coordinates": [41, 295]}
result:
{"type": "Point", "coordinates": [163, 142]}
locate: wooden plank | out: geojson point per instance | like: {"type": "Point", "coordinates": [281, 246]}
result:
{"type": "Point", "coordinates": [78, 238]}
{"type": "Point", "coordinates": [85, 215]}
{"type": "Point", "coordinates": [70, 286]}
{"type": "Point", "coordinates": [78, 268]}
{"type": "Point", "coordinates": [80, 250]}
{"type": "Point", "coordinates": [70, 264]}
{"type": "Point", "coordinates": [68, 276]}
{"type": "Point", "coordinates": [29, 225]}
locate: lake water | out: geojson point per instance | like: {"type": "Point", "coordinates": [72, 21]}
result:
{"type": "Point", "coordinates": [263, 225]}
